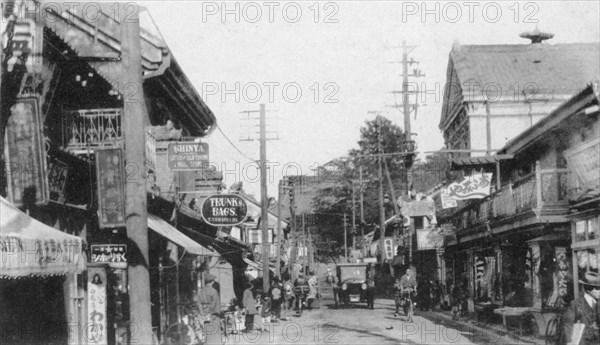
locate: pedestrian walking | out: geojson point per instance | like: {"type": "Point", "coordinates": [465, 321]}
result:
{"type": "Point", "coordinates": [265, 314]}
{"type": "Point", "coordinates": [313, 292]}
{"type": "Point", "coordinates": [209, 304]}
{"type": "Point", "coordinates": [249, 303]}
{"type": "Point", "coordinates": [277, 298]}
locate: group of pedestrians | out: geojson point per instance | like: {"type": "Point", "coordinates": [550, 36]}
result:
{"type": "Point", "coordinates": [281, 296]}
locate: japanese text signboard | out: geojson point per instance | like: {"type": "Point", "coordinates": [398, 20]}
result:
{"type": "Point", "coordinates": [111, 189]}
{"type": "Point", "coordinates": [113, 254]}
{"type": "Point", "coordinates": [57, 179]}
{"type": "Point", "coordinates": [188, 155]}
{"type": "Point", "coordinates": [25, 154]}
{"type": "Point", "coordinates": [224, 210]}
{"type": "Point", "coordinates": [476, 186]}
{"type": "Point", "coordinates": [96, 320]}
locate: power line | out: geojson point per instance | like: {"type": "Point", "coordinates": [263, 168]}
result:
{"type": "Point", "coordinates": [235, 147]}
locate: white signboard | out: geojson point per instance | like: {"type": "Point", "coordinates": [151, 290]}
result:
{"type": "Point", "coordinates": [476, 186]}
{"type": "Point", "coordinates": [96, 320]}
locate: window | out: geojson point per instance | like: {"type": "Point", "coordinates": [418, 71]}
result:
{"type": "Point", "coordinates": [587, 229]}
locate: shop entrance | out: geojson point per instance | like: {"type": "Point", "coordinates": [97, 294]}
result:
{"type": "Point", "coordinates": [33, 311]}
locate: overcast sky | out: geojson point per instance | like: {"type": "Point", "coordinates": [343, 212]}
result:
{"type": "Point", "coordinates": [337, 54]}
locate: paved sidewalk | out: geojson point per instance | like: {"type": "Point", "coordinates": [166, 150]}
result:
{"type": "Point", "coordinates": [503, 336]}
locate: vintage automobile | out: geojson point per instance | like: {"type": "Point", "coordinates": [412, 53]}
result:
{"type": "Point", "coordinates": [354, 285]}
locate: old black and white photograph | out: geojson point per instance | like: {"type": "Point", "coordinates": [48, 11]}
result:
{"type": "Point", "coordinates": [309, 172]}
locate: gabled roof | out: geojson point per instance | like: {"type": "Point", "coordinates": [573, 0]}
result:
{"type": "Point", "coordinates": [542, 71]}
{"type": "Point", "coordinates": [556, 118]}
{"type": "Point", "coordinates": [555, 69]}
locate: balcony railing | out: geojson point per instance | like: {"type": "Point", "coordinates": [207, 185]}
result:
{"type": "Point", "coordinates": [531, 193]}
{"type": "Point", "coordinates": [85, 129]}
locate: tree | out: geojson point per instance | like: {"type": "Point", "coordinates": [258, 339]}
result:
{"type": "Point", "coordinates": [332, 202]}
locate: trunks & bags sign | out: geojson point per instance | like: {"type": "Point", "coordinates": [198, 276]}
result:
{"type": "Point", "coordinates": [224, 210]}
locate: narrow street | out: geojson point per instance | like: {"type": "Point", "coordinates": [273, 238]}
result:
{"type": "Point", "coordinates": [356, 324]}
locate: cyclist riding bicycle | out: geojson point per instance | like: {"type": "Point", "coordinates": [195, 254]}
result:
{"type": "Point", "coordinates": [407, 287]}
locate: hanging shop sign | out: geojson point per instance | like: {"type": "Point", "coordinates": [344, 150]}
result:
{"type": "Point", "coordinates": [96, 319]}
{"type": "Point", "coordinates": [255, 236]}
{"type": "Point", "coordinates": [389, 248]}
{"type": "Point", "coordinates": [58, 172]}
{"type": "Point", "coordinates": [187, 155]}
{"type": "Point", "coordinates": [25, 154]}
{"type": "Point", "coordinates": [447, 201]}
{"type": "Point", "coordinates": [200, 181]}
{"type": "Point", "coordinates": [416, 208]}
{"type": "Point", "coordinates": [476, 186]}
{"type": "Point", "coordinates": [111, 188]}
{"type": "Point", "coordinates": [584, 160]}
{"type": "Point", "coordinates": [113, 254]}
{"type": "Point", "coordinates": [429, 239]}
{"type": "Point", "coordinates": [224, 210]}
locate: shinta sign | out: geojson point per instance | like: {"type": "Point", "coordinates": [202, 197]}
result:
{"type": "Point", "coordinates": [187, 155]}
{"type": "Point", "coordinates": [224, 210]}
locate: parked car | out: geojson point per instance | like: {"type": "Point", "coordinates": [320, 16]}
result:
{"type": "Point", "coordinates": [354, 284]}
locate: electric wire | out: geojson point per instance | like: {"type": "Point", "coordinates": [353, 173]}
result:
{"type": "Point", "coordinates": [235, 147]}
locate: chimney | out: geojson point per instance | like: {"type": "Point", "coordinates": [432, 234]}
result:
{"type": "Point", "coordinates": [536, 36]}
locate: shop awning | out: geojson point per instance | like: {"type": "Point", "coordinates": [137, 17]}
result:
{"type": "Point", "coordinates": [458, 163]}
{"type": "Point", "coordinates": [166, 230]}
{"type": "Point", "coordinates": [258, 266]}
{"type": "Point", "coordinates": [31, 248]}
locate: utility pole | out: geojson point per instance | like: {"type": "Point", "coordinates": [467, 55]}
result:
{"type": "Point", "coordinates": [362, 214]}
{"type": "Point", "coordinates": [279, 197]}
{"type": "Point", "coordinates": [264, 198]}
{"type": "Point", "coordinates": [345, 238]}
{"type": "Point", "coordinates": [304, 247]}
{"type": "Point", "coordinates": [407, 108]}
{"type": "Point", "coordinates": [135, 119]}
{"type": "Point", "coordinates": [381, 207]}
{"type": "Point", "coordinates": [294, 247]}
{"type": "Point", "coordinates": [353, 218]}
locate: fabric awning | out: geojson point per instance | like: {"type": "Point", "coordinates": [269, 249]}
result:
{"type": "Point", "coordinates": [475, 161]}
{"type": "Point", "coordinates": [257, 266]}
{"type": "Point", "coordinates": [161, 227]}
{"type": "Point", "coordinates": [31, 248]}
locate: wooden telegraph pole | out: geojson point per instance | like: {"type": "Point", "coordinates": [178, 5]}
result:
{"type": "Point", "coordinates": [279, 197]}
{"type": "Point", "coordinates": [264, 216]}
{"type": "Point", "coordinates": [380, 180]}
{"type": "Point", "coordinates": [135, 117]}
{"type": "Point", "coordinates": [362, 214]}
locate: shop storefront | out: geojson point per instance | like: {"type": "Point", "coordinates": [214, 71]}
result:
{"type": "Point", "coordinates": [40, 280]}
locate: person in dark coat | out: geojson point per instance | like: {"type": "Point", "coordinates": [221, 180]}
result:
{"type": "Point", "coordinates": [584, 310]}
{"type": "Point", "coordinates": [277, 297]}
{"type": "Point", "coordinates": [249, 303]}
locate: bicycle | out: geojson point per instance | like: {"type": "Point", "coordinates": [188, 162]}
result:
{"type": "Point", "coordinates": [409, 306]}
{"type": "Point", "coordinates": [554, 331]}
{"type": "Point", "coordinates": [190, 331]}
{"type": "Point", "coordinates": [301, 293]}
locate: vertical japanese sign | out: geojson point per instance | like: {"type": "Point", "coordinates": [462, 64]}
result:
{"type": "Point", "coordinates": [389, 248]}
{"type": "Point", "coordinates": [57, 179]}
{"type": "Point", "coordinates": [96, 319]}
{"type": "Point", "coordinates": [25, 154]}
{"type": "Point", "coordinates": [111, 188]}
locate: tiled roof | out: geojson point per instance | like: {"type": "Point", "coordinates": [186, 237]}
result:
{"type": "Point", "coordinates": [556, 69]}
